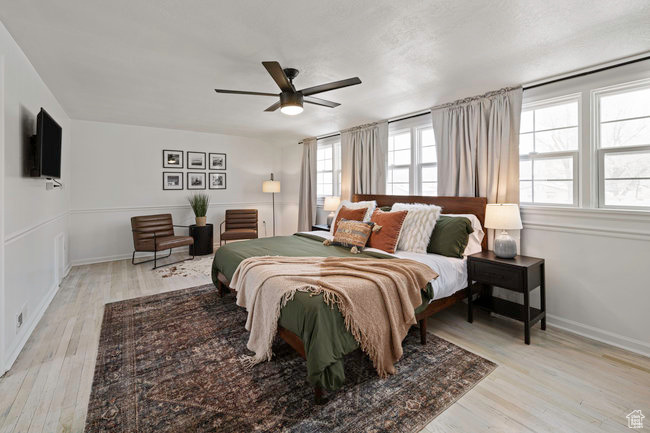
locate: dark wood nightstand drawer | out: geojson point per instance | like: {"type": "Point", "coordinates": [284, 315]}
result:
{"type": "Point", "coordinates": [491, 273]}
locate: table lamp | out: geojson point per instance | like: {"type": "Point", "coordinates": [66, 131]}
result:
{"type": "Point", "coordinates": [271, 186]}
{"type": "Point", "coordinates": [330, 205]}
{"type": "Point", "coordinates": [504, 216]}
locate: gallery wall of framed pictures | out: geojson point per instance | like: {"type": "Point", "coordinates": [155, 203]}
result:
{"type": "Point", "coordinates": [193, 179]}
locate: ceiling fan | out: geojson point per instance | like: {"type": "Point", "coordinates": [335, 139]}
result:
{"type": "Point", "coordinates": [291, 100]}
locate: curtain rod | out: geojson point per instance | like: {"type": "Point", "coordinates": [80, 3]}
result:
{"type": "Point", "coordinates": [397, 119]}
{"type": "Point", "coordinates": [592, 71]}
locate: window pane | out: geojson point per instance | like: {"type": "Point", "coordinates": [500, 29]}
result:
{"type": "Point", "coordinates": [560, 192]}
{"type": "Point", "coordinates": [402, 157]}
{"type": "Point", "coordinates": [402, 141]}
{"type": "Point", "coordinates": [555, 168]}
{"type": "Point", "coordinates": [526, 191]}
{"type": "Point", "coordinates": [427, 138]}
{"type": "Point", "coordinates": [327, 178]}
{"type": "Point", "coordinates": [625, 105]}
{"type": "Point", "coordinates": [429, 154]}
{"type": "Point", "coordinates": [429, 174]}
{"type": "Point", "coordinates": [556, 141]}
{"type": "Point", "coordinates": [525, 144]}
{"type": "Point", "coordinates": [430, 188]}
{"type": "Point", "coordinates": [556, 116]}
{"type": "Point", "coordinates": [525, 170]}
{"type": "Point", "coordinates": [625, 133]}
{"type": "Point", "coordinates": [526, 121]}
{"type": "Point", "coordinates": [327, 164]}
{"type": "Point", "coordinates": [401, 175]}
{"type": "Point", "coordinates": [327, 190]}
{"type": "Point", "coordinates": [633, 192]}
{"type": "Point", "coordinates": [632, 164]}
{"type": "Point", "coordinates": [401, 189]}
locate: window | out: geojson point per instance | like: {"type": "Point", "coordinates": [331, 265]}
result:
{"type": "Point", "coordinates": [622, 116]}
{"type": "Point", "coordinates": [328, 168]}
{"type": "Point", "coordinates": [412, 161]}
{"type": "Point", "coordinates": [549, 143]}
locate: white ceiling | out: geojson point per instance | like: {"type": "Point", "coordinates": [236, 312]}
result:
{"type": "Point", "coordinates": [156, 62]}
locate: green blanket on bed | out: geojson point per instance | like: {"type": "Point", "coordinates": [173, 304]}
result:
{"type": "Point", "coordinates": [320, 327]}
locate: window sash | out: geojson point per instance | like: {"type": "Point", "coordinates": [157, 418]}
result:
{"type": "Point", "coordinates": [415, 128]}
{"type": "Point", "coordinates": [333, 147]}
{"type": "Point", "coordinates": [574, 155]}
{"type": "Point", "coordinates": [601, 153]}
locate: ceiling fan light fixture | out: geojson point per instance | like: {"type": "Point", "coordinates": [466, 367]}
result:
{"type": "Point", "coordinates": [291, 103]}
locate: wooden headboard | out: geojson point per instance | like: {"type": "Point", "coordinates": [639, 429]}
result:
{"type": "Point", "coordinates": [471, 205]}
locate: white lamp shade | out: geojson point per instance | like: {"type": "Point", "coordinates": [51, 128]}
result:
{"type": "Point", "coordinates": [503, 216]}
{"type": "Point", "coordinates": [271, 186]}
{"type": "Point", "coordinates": [331, 203]}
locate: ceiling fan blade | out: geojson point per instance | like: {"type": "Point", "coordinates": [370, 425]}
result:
{"type": "Point", "coordinates": [279, 76]}
{"type": "Point", "coordinates": [243, 92]}
{"type": "Point", "coordinates": [330, 86]}
{"type": "Point", "coordinates": [273, 107]}
{"type": "Point", "coordinates": [319, 101]}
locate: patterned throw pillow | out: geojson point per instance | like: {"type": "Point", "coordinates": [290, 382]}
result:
{"type": "Point", "coordinates": [350, 214]}
{"type": "Point", "coordinates": [418, 226]}
{"type": "Point", "coordinates": [390, 225]}
{"type": "Point", "coordinates": [352, 234]}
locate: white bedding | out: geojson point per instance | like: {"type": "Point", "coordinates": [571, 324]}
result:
{"type": "Point", "coordinates": [452, 271]}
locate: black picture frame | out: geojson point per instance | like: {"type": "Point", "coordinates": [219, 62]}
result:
{"type": "Point", "coordinates": [166, 160]}
{"type": "Point", "coordinates": [217, 167]}
{"type": "Point", "coordinates": [189, 182]}
{"type": "Point", "coordinates": [165, 184]}
{"type": "Point", "coordinates": [217, 187]}
{"type": "Point", "coordinates": [196, 167]}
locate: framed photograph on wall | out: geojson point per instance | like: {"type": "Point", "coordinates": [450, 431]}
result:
{"type": "Point", "coordinates": [172, 180]}
{"type": "Point", "coordinates": [172, 159]}
{"type": "Point", "coordinates": [217, 181]}
{"type": "Point", "coordinates": [196, 160]}
{"type": "Point", "coordinates": [217, 161]}
{"type": "Point", "coordinates": [195, 180]}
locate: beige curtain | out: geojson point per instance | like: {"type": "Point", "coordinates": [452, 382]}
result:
{"type": "Point", "coordinates": [363, 160]}
{"type": "Point", "coordinates": [307, 198]}
{"type": "Point", "coordinates": [478, 147]}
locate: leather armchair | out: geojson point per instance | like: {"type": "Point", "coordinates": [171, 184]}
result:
{"type": "Point", "coordinates": [154, 233]}
{"type": "Point", "coordinates": [239, 224]}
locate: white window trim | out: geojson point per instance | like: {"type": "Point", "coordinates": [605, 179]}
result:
{"type": "Point", "coordinates": [599, 153]}
{"type": "Point", "coordinates": [335, 142]}
{"type": "Point", "coordinates": [414, 126]}
{"type": "Point", "coordinates": [576, 154]}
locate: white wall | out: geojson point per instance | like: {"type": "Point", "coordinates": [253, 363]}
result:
{"type": "Point", "coordinates": [118, 174]}
{"type": "Point", "coordinates": [290, 164]}
{"type": "Point", "coordinates": [32, 217]}
{"type": "Point", "coordinates": [597, 282]}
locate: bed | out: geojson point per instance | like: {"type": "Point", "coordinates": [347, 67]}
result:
{"type": "Point", "coordinates": [316, 331]}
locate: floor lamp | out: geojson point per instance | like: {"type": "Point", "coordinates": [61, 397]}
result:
{"type": "Point", "coordinates": [272, 186]}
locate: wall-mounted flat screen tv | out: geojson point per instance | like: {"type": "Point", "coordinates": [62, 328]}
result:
{"type": "Point", "coordinates": [47, 147]}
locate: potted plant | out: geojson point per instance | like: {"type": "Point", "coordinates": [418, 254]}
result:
{"type": "Point", "coordinates": [199, 203]}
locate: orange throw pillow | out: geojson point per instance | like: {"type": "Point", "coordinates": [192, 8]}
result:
{"type": "Point", "coordinates": [350, 214]}
{"type": "Point", "coordinates": [386, 237]}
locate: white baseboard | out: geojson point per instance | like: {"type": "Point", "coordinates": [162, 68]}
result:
{"type": "Point", "coordinates": [616, 340]}
{"type": "Point", "coordinates": [93, 260]}
{"type": "Point", "coordinates": [31, 325]}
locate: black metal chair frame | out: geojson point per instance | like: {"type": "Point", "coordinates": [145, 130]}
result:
{"type": "Point", "coordinates": [155, 252]}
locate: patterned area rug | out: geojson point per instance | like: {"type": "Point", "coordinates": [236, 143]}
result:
{"type": "Point", "coordinates": [169, 363]}
{"type": "Point", "coordinates": [200, 266]}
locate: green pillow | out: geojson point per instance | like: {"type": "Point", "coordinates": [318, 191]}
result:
{"type": "Point", "coordinates": [450, 236]}
{"type": "Point", "coordinates": [385, 208]}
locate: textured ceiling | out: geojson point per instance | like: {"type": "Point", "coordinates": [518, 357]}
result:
{"type": "Point", "coordinates": [156, 62]}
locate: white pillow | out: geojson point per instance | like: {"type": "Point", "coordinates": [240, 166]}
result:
{"type": "Point", "coordinates": [370, 205]}
{"type": "Point", "coordinates": [475, 239]}
{"type": "Point", "coordinates": [418, 226]}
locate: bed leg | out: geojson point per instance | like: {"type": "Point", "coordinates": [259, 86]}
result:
{"type": "Point", "coordinates": [318, 396]}
{"type": "Point", "coordinates": [423, 331]}
{"type": "Point", "coordinates": [220, 288]}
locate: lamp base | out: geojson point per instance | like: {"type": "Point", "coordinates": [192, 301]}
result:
{"type": "Point", "coordinates": [330, 217]}
{"type": "Point", "coordinates": [505, 247]}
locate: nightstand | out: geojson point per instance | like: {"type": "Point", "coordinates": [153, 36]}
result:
{"type": "Point", "coordinates": [520, 274]}
{"type": "Point", "coordinates": [323, 227]}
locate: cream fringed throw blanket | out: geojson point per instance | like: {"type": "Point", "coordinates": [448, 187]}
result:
{"type": "Point", "coordinates": [377, 298]}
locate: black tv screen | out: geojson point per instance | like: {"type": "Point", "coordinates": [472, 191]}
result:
{"type": "Point", "coordinates": [48, 141]}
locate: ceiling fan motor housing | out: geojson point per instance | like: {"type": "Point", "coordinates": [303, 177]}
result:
{"type": "Point", "coordinates": [291, 98]}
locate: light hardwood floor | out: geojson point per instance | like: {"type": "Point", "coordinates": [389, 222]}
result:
{"type": "Point", "coordinates": [560, 383]}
